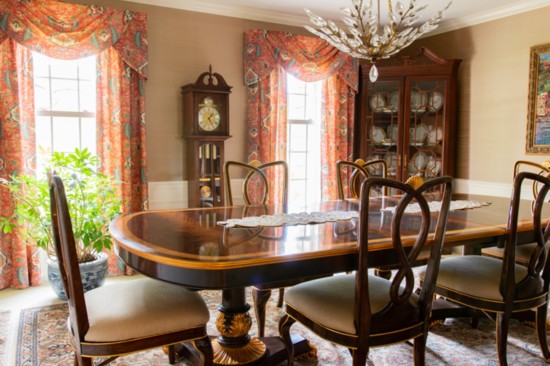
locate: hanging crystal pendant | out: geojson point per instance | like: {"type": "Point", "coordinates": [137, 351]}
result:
{"type": "Point", "coordinates": [373, 73]}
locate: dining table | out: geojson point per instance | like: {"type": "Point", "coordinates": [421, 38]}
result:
{"type": "Point", "coordinates": [234, 247]}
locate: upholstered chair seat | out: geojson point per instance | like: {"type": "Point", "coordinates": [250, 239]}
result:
{"type": "Point", "coordinates": [504, 286]}
{"type": "Point", "coordinates": [330, 302]}
{"type": "Point", "coordinates": [161, 308]}
{"type": "Point", "coordinates": [126, 316]}
{"type": "Point", "coordinates": [479, 276]}
{"type": "Point", "coordinates": [360, 310]}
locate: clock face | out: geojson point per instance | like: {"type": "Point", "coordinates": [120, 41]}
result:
{"type": "Point", "coordinates": [209, 116]}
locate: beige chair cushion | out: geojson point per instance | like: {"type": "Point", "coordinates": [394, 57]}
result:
{"type": "Point", "coordinates": [475, 275]}
{"type": "Point", "coordinates": [331, 301]}
{"type": "Point", "coordinates": [139, 308]}
{"type": "Point", "coordinates": [523, 252]}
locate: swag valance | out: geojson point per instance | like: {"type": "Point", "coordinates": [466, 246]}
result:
{"type": "Point", "coordinates": [72, 31]}
{"type": "Point", "coordinates": [307, 58]}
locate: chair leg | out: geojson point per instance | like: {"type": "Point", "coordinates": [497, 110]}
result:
{"type": "Point", "coordinates": [171, 354]}
{"type": "Point", "coordinates": [420, 350]}
{"type": "Point", "coordinates": [360, 356]}
{"type": "Point", "coordinates": [205, 348]}
{"type": "Point", "coordinates": [281, 297]}
{"type": "Point", "coordinates": [260, 298]}
{"type": "Point", "coordinates": [475, 318]}
{"type": "Point", "coordinates": [284, 332]}
{"type": "Point", "coordinates": [541, 331]}
{"type": "Point", "coordinates": [503, 322]}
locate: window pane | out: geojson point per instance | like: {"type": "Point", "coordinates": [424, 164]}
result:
{"type": "Point", "coordinates": [87, 69]}
{"type": "Point", "coordinates": [87, 96]}
{"type": "Point", "coordinates": [43, 133]}
{"type": "Point", "coordinates": [65, 134]}
{"type": "Point", "coordinates": [88, 134]}
{"type": "Point", "coordinates": [40, 65]}
{"type": "Point", "coordinates": [63, 68]}
{"type": "Point", "coordinates": [64, 95]}
{"type": "Point", "coordinates": [294, 85]}
{"type": "Point", "coordinates": [298, 138]}
{"type": "Point", "coordinates": [296, 106]}
{"type": "Point", "coordinates": [299, 165]}
{"type": "Point", "coordinates": [42, 94]}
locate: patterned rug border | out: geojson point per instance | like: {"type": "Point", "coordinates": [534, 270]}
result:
{"type": "Point", "coordinates": [5, 324]}
{"type": "Point", "coordinates": [451, 343]}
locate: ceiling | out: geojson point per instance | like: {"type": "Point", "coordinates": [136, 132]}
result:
{"type": "Point", "coordinates": [462, 13]}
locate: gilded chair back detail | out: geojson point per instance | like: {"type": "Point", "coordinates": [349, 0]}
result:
{"type": "Point", "coordinates": [350, 175]}
{"type": "Point", "coordinates": [257, 187]}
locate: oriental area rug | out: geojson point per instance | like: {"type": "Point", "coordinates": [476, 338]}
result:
{"type": "Point", "coordinates": [4, 333]}
{"type": "Point", "coordinates": [42, 340]}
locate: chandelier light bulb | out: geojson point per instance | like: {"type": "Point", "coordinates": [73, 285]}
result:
{"type": "Point", "coordinates": [366, 37]}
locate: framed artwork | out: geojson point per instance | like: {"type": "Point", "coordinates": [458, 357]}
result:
{"type": "Point", "coordinates": [538, 115]}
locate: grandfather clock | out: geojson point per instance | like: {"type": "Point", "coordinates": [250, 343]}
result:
{"type": "Point", "coordinates": [206, 127]}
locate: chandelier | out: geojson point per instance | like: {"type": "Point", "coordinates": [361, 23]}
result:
{"type": "Point", "coordinates": [368, 38]}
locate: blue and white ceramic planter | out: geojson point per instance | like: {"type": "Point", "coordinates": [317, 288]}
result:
{"type": "Point", "coordinates": [93, 275]}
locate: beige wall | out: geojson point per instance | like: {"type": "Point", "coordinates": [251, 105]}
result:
{"type": "Point", "coordinates": [182, 44]}
{"type": "Point", "coordinates": [493, 84]}
{"type": "Point", "coordinates": [494, 78]}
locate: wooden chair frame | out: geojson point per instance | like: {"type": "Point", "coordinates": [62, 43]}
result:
{"type": "Point", "coordinates": [78, 315]}
{"type": "Point", "coordinates": [260, 293]}
{"type": "Point", "coordinates": [530, 292]}
{"type": "Point", "coordinates": [400, 319]}
{"type": "Point", "coordinates": [359, 169]}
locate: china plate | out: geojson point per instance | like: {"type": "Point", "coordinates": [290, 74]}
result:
{"type": "Point", "coordinates": [393, 132]}
{"type": "Point", "coordinates": [436, 100]}
{"type": "Point", "coordinates": [419, 160]}
{"type": "Point", "coordinates": [391, 160]}
{"type": "Point", "coordinates": [418, 134]}
{"type": "Point", "coordinates": [378, 135]}
{"type": "Point", "coordinates": [377, 101]}
{"type": "Point", "coordinates": [394, 101]}
{"type": "Point", "coordinates": [418, 101]}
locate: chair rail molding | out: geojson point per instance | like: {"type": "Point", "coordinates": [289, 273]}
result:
{"type": "Point", "coordinates": [165, 195]}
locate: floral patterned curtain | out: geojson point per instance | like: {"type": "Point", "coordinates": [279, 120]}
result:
{"type": "Point", "coordinates": [268, 56]}
{"type": "Point", "coordinates": [70, 31]}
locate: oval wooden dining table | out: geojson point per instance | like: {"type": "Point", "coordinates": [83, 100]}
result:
{"type": "Point", "coordinates": [189, 247]}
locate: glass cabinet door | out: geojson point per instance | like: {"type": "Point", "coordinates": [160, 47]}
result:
{"type": "Point", "coordinates": [423, 145]}
{"type": "Point", "coordinates": [382, 122]}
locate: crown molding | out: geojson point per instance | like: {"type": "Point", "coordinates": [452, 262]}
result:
{"type": "Point", "coordinates": [299, 21]}
{"type": "Point", "coordinates": [489, 15]}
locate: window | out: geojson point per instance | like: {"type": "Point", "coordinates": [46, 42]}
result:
{"type": "Point", "coordinates": [65, 105]}
{"type": "Point", "coordinates": [303, 140]}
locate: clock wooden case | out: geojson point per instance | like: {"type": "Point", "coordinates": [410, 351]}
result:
{"type": "Point", "coordinates": [206, 127]}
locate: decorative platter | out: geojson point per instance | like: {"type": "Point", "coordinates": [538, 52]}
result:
{"type": "Point", "coordinates": [436, 100]}
{"type": "Point", "coordinates": [418, 134]}
{"type": "Point", "coordinates": [378, 135]}
{"type": "Point", "coordinates": [377, 101]}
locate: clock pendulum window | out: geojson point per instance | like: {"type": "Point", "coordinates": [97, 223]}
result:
{"type": "Point", "coordinates": [206, 127]}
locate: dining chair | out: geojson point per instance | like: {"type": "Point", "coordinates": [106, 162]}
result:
{"type": "Point", "coordinates": [123, 317]}
{"type": "Point", "coordinates": [256, 174]}
{"type": "Point", "coordinates": [357, 171]}
{"type": "Point", "coordinates": [360, 310]}
{"type": "Point", "coordinates": [502, 286]}
{"type": "Point", "coordinates": [523, 252]}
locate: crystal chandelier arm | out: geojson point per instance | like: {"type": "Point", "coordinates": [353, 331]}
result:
{"type": "Point", "coordinates": [369, 39]}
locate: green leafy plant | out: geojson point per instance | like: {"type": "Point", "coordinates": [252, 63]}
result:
{"type": "Point", "coordinates": [92, 198]}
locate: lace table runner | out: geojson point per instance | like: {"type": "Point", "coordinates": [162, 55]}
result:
{"type": "Point", "coordinates": [302, 218]}
{"type": "Point", "coordinates": [435, 206]}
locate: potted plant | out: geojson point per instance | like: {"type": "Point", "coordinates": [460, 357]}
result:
{"type": "Point", "coordinates": [93, 202]}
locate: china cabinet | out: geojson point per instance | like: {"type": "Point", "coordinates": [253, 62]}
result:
{"type": "Point", "coordinates": [408, 116]}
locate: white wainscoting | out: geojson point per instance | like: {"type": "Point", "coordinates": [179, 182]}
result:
{"type": "Point", "coordinates": [173, 194]}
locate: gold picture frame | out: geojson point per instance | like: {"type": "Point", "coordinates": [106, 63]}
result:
{"type": "Point", "coordinates": [538, 115]}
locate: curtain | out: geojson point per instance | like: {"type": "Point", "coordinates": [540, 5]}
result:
{"type": "Point", "coordinates": [271, 54]}
{"type": "Point", "coordinates": [71, 31]}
